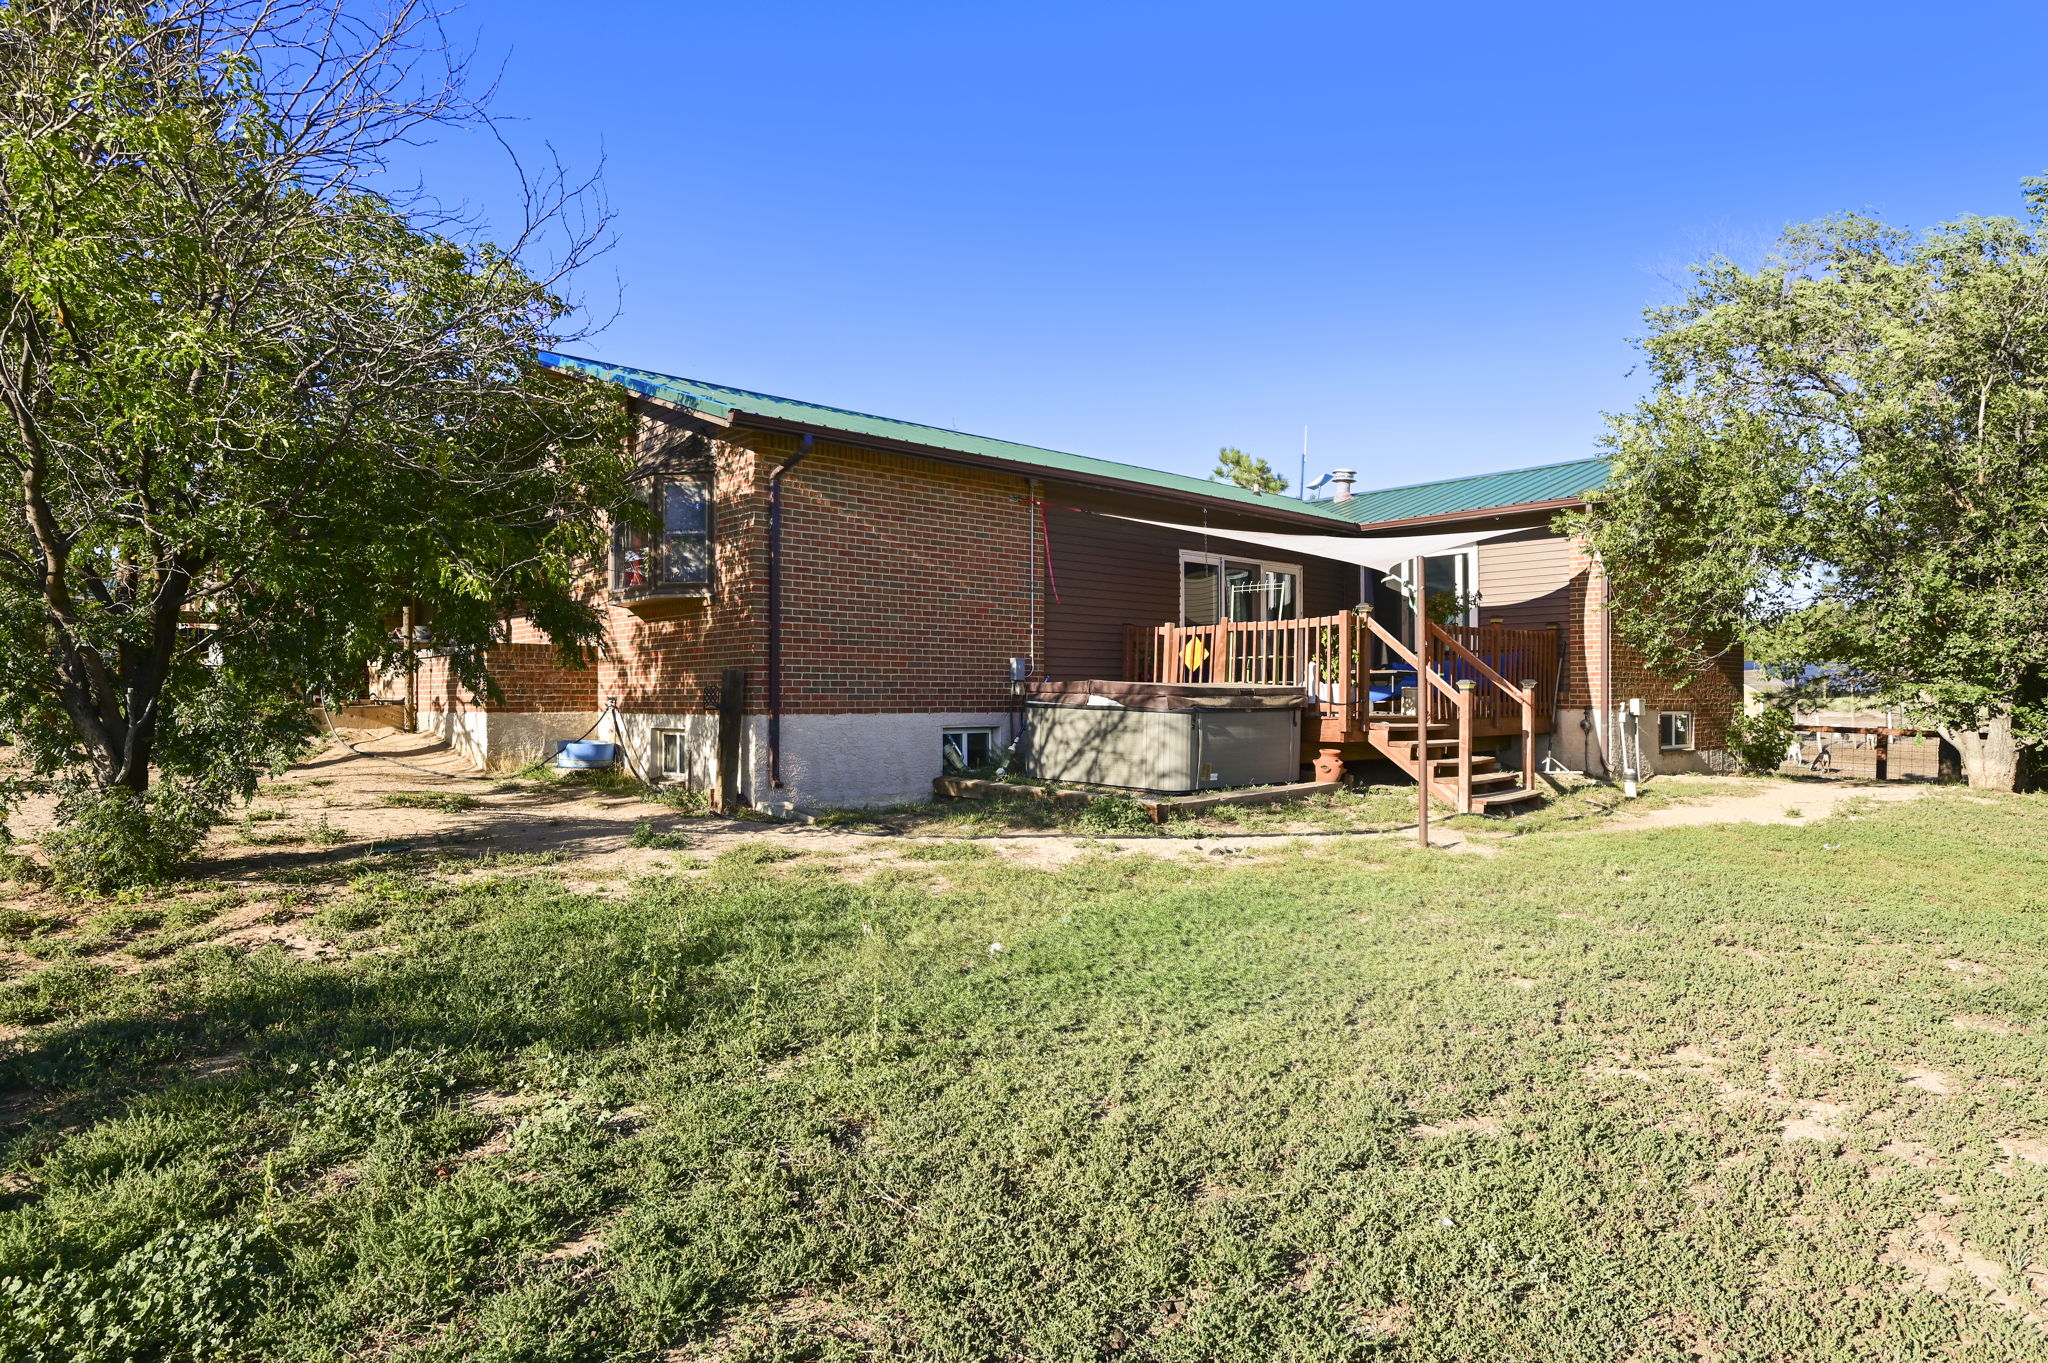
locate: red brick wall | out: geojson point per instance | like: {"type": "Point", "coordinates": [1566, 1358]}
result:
{"type": "Point", "coordinates": [525, 672]}
{"type": "Point", "coordinates": [1713, 695]}
{"type": "Point", "coordinates": [907, 586]}
{"type": "Point", "coordinates": [670, 657]}
{"type": "Point", "coordinates": [907, 583]}
{"type": "Point", "coordinates": [1586, 624]}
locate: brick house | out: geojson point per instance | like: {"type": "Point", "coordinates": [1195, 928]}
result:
{"type": "Point", "coordinates": [834, 598]}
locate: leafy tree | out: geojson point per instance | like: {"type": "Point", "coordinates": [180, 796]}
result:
{"type": "Point", "coordinates": [1235, 466]}
{"type": "Point", "coordinates": [250, 401]}
{"type": "Point", "coordinates": [1845, 460]}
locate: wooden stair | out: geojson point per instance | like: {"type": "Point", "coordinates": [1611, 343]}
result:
{"type": "Point", "coordinates": [1493, 790]}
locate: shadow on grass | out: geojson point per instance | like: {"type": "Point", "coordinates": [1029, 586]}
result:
{"type": "Point", "coordinates": [547, 972]}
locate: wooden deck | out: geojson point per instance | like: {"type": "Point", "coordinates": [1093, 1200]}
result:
{"type": "Point", "coordinates": [1483, 682]}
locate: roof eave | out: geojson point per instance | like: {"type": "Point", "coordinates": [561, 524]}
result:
{"type": "Point", "coordinates": [1476, 514]}
{"type": "Point", "coordinates": [784, 426]}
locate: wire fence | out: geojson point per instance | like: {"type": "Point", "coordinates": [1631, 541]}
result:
{"type": "Point", "coordinates": [1851, 754]}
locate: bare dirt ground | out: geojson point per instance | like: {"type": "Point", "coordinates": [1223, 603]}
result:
{"type": "Point", "coordinates": [346, 804]}
{"type": "Point", "coordinates": [1786, 802]}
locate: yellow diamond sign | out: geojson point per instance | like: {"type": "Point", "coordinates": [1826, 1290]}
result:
{"type": "Point", "coordinates": [1193, 654]}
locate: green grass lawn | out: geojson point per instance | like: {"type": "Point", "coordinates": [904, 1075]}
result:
{"type": "Point", "coordinates": [1725, 1092]}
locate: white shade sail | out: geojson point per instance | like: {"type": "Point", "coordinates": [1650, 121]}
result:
{"type": "Point", "coordinates": [1368, 551]}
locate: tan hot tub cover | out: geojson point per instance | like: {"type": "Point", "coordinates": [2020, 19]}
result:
{"type": "Point", "coordinates": [1129, 695]}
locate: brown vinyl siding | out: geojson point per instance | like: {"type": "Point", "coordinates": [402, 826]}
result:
{"type": "Point", "coordinates": [1525, 580]}
{"type": "Point", "coordinates": [1113, 573]}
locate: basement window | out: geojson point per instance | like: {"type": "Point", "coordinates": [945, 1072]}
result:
{"type": "Point", "coordinates": [672, 760]}
{"type": "Point", "coordinates": [1674, 731]}
{"type": "Point", "coordinates": [675, 557]}
{"type": "Point", "coordinates": [968, 749]}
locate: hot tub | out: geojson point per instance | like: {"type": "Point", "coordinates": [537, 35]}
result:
{"type": "Point", "coordinates": [1163, 738]}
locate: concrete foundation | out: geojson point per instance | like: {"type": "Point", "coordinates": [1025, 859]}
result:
{"type": "Point", "coordinates": [505, 740]}
{"type": "Point", "coordinates": [1576, 743]}
{"type": "Point", "coordinates": [850, 760]}
{"type": "Point", "coordinates": [828, 761]}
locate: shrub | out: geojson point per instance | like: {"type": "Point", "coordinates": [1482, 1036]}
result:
{"type": "Point", "coordinates": [22, 869]}
{"type": "Point", "coordinates": [108, 840]}
{"type": "Point", "coordinates": [1758, 742]}
{"type": "Point", "coordinates": [684, 800]}
{"type": "Point", "coordinates": [643, 835]}
{"type": "Point", "coordinates": [1113, 814]}
{"type": "Point", "coordinates": [18, 925]}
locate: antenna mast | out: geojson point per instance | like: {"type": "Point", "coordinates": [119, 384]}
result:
{"type": "Point", "coordinates": [1301, 488]}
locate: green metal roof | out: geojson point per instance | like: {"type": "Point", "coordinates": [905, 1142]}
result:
{"type": "Point", "coordinates": [1479, 492]}
{"type": "Point", "coordinates": [1476, 493]}
{"type": "Point", "coordinates": [717, 400]}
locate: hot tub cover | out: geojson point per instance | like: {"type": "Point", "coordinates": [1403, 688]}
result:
{"type": "Point", "coordinates": [1128, 695]}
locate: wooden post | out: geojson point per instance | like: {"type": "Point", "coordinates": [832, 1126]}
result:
{"type": "Point", "coordinates": [1346, 690]}
{"type": "Point", "coordinates": [411, 717]}
{"type": "Point", "coordinates": [1219, 664]}
{"type": "Point", "coordinates": [1529, 735]}
{"type": "Point", "coordinates": [732, 726]}
{"type": "Point", "coordinates": [1465, 689]}
{"type": "Point", "coordinates": [1421, 703]}
{"type": "Point", "coordinates": [1884, 754]}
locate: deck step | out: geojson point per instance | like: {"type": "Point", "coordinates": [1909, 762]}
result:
{"type": "Point", "coordinates": [1448, 766]}
{"type": "Point", "coordinates": [1487, 804]}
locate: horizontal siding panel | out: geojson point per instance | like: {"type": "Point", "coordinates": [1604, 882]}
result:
{"type": "Point", "coordinates": [1112, 573]}
{"type": "Point", "coordinates": [1525, 580]}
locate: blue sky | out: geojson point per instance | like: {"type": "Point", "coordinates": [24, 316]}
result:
{"type": "Point", "coordinates": [1144, 231]}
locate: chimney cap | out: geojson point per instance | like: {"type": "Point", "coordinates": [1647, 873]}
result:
{"type": "Point", "coordinates": [1343, 479]}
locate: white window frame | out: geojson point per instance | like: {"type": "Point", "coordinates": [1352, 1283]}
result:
{"type": "Point", "coordinates": [995, 742]}
{"type": "Point", "coordinates": [1688, 745]}
{"type": "Point", "coordinates": [1265, 566]}
{"type": "Point", "coordinates": [1467, 575]}
{"type": "Point", "coordinates": [661, 752]}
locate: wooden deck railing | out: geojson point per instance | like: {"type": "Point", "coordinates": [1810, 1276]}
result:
{"type": "Point", "coordinates": [1479, 675]}
{"type": "Point", "coordinates": [1338, 657]}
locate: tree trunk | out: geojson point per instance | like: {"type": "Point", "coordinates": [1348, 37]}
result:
{"type": "Point", "coordinates": [1991, 759]}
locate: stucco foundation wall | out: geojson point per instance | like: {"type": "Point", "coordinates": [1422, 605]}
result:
{"type": "Point", "coordinates": [1573, 743]}
{"type": "Point", "coordinates": [850, 760]}
{"type": "Point", "coordinates": [640, 735]}
{"type": "Point", "coordinates": [467, 731]}
{"type": "Point", "coordinates": [1579, 748]}
{"type": "Point", "coordinates": [506, 740]}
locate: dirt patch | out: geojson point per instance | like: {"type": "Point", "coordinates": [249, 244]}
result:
{"type": "Point", "coordinates": [282, 935]}
{"type": "Point", "coordinates": [2030, 1151]}
{"type": "Point", "coordinates": [1814, 1122]}
{"type": "Point", "coordinates": [1462, 1126]}
{"type": "Point", "coordinates": [1913, 1153]}
{"type": "Point", "coordinates": [591, 1242]}
{"type": "Point", "coordinates": [1785, 803]}
{"type": "Point", "coordinates": [1984, 1022]}
{"type": "Point", "coordinates": [1928, 1081]}
{"type": "Point", "coordinates": [1936, 1259]}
